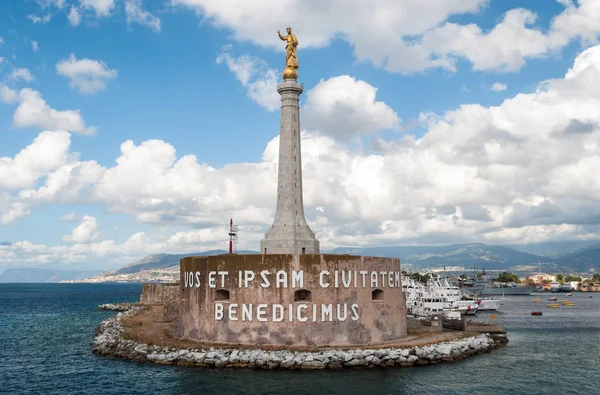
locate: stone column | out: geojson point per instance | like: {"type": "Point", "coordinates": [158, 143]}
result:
{"type": "Point", "coordinates": [290, 234]}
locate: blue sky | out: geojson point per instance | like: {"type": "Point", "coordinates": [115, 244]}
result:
{"type": "Point", "coordinates": [167, 85]}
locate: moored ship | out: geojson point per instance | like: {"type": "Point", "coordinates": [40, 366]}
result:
{"type": "Point", "coordinates": [488, 288]}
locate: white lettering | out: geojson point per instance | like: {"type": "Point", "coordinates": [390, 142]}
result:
{"type": "Point", "coordinates": [281, 279]}
{"type": "Point", "coordinates": [261, 312]}
{"type": "Point", "coordinates": [265, 281]}
{"type": "Point", "coordinates": [326, 312]}
{"type": "Point", "coordinates": [314, 310]}
{"type": "Point", "coordinates": [383, 275]}
{"type": "Point", "coordinates": [301, 316]}
{"type": "Point", "coordinates": [297, 279]}
{"type": "Point", "coordinates": [197, 279]}
{"type": "Point", "coordinates": [335, 279]}
{"type": "Point", "coordinates": [391, 280]}
{"type": "Point", "coordinates": [291, 312]}
{"type": "Point", "coordinates": [363, 274]}
{"type": "Point", "coordinates": [240, 279]}
{"type": "Point", "coordinates": [346, 281]}
{"type": "Point", "coordinates": [218, 311]}
{"type": "Point", "coordinates": [322, 282]}
{"type": "Point", "coordinates": [246, 312]}
{"type": "Point", "coordinates": [212, 276]}
{"type": "Point", "coordinates": [397, 280]}
{"type": "Point", "coordinates": [248, 276]}
{"type": "Point", "coordinates": [233, 311]}
{"type": "Point", "coordinates": [354, 308]}
{"type": "Point", "coordinates": [185, 279]}
{"type": "Point", "coordinates": [223, 274]}
{"type": "Point", "coordinates": [373, 279]}
{"type": "Point", "coordinates": [339, 315]}
{"type": "Point", "coordinates": [278, 313]}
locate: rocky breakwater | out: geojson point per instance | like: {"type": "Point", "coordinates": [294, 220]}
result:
{"type": "Point", "coordinates": [109, 342]}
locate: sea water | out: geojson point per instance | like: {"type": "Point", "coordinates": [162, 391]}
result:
{"type": "Point", "coordinates": [46, 330]}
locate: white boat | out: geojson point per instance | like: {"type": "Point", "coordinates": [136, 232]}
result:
{"type": "Point", "coordinates": [435, 298]}
{"type": "Point", "coordinates": [441, 286]}
{"type": "Point", "coordinates": [489, 304]}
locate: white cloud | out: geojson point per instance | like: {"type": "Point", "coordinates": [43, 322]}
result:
{"type": "Point", "coordinates": [135, 13]}
{"type": "Point", "coordinates": [1, 41]}
{"type": "Point", "coordinates": [406, 36]}
{"type": "Point", "coordinates": [48, 3]}
{"type": "Point", "coordinates": [37, 19]}
{"type": "Point", "coordinates": [11, 210]}
{"type": "Point", "coordinates": [35, 47]}
{"type": "Point", "coordinates": [20, 74]}
{"type": "Point", "coordinates": [70, 217]}
{"type": "Point", "coordinates": [74, 17]}
{"type": "Point", "coordinates": [85, 232]}
{"type": "Point", "coordinates": [523, 170]}
{"type": "Point", "coordinates": [344, 108]}
{"type": "Point", "coordinates": [8, 95]}
{"type": "Point", "coordinates": [498, 87]}
{"type": "Point", "coordinates": [102, 8]}
{"type": "Point", "coordinates": [86, 75]}
{"type": "Point", "coordinates": [255, 75]}
{"type": "Point", "coordinates": [47, 153]}
{"type": "Point", "coordinates": [34, 111]}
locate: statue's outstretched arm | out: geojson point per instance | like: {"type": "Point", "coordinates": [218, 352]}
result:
{"type": "Point", "coordinates": [284, 38]}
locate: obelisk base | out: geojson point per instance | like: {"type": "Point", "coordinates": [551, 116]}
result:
{"type": "Point", "coordinates": [286, 241]}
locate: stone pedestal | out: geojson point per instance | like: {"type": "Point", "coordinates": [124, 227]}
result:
{"type": "Point", "coordinates": [290, 234]}
{"type": "Point", "coordinates": [292, 300]}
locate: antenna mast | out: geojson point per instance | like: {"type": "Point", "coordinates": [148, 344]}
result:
{"type": "Point", "coordinates": [232, 236]}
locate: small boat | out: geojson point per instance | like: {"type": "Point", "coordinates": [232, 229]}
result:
{"type": "Point", "coordinates": [553, 305]}
{"type": "Point", "coordinates": [553, 298]}
{"type": "Point", "coordinates": [568, 303]}
{"type": "Point", "coordinates": [536, 300]}
{"type": "Point", "coordinates": [536, 313]}
{"type": "Point", "coordinates": [569, 294]}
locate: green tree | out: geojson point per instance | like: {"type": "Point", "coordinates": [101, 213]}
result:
{"type": "Point", "coordinates": [560, 278]}
{"type": "Point", "coordinates": [463, 276]}
{"type": "Point", "coordinates": [530, 282]}
{"type": "Point", "coordinates": [506, 277]}
{"type": "Point", "coordinates": [570, 278]}
{"type": "Point", "coordinates": [596, 277]}
{"type": "Point", "coordinates": [545, 281]}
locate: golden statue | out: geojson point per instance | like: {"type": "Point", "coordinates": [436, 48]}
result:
{"type": "Point", "coordinates": [290, 72]}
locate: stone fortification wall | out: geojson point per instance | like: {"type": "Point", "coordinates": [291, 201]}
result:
{"type": "Point", "coordinates": [171, 300]}
{"type": "Point", "coordinates": [292, 300]}
{"type": "Point", "coordinates": [155, 293]}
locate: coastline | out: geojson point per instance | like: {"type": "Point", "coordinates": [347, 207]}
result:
{"type": "Point", "coordinates": [109, 341]}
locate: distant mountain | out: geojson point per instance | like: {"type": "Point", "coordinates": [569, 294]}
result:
{"type": "Point", "coordinates": [555, 249]}
{"type": "Point", "coordinates": [466, 255]}
{"type": "Point", "coordinates": [161, 261]}
{"type": "Point", "coordinates": [586, 260]}
{"type": "Point", "coordinates": [32, 275]}
{"type": "Point", "coordinates": [469, 255]}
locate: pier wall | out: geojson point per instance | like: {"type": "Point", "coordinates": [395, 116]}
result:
{"type": "Point", "coordinates": [292, 300]}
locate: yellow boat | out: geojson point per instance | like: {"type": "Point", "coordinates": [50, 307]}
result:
{"type": "Point", "coordinates": [536, 300]}
{"type": "Point", "coordinates": [568, 304]}
{"type": "Point", "coordinates": [553, 305]}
